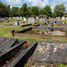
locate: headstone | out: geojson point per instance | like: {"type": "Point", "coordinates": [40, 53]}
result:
{"type": "Point", "coordinates": [20, 17]}
{"type": "Point", "coordinates": [58, 18]}
{"type": "Point", "coordinates": [16, 18]}
{"type": "Point", "coordinates": [66, 18]}
{"type": "Point", "coordinates": [16, 23]}
{"type": "Point", "coordinates": [36, 17]}
{"type": "Point", "coordinates": [42, 20]}
{"type": "Point", "coordinates": [24, 19]}
{"type": "Point", "coordinates": [63, 18]}
{"type": "Point", "coordinates": [31, 20]}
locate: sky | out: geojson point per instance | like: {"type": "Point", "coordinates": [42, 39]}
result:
{"type": "Point", "coordinates": [39, 3]}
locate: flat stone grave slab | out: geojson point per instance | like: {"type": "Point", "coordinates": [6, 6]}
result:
{"type": "Point", "coordinates": [49, 53]}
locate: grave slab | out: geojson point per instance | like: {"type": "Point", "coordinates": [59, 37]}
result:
{"type": "Point", "coordinates": [50, 53]}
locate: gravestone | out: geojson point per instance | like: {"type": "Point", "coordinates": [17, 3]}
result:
{"type": "Point", "coordinates": [37, 18]}
{"type": "Point", "coordinates": [42, 20]}
{"type": "Point", "coordinates": [24, 19]}
{"type": "Point", "coordinates": [20, 18]}
{"type": "Point", "coordinates": [63, 18]}
{"type": "Point", "coordinates": [58, 18]}
{"type": "Point", "coordinates": [16, 23]}
{"type": "Point", "coordinates": [31, 20]}
{"type": "Point", "coordinates": [16, 18]}
{"type": "Point", "coordinates": [49, 53]}
{"type": "Point", "coordinates": [66, 18]}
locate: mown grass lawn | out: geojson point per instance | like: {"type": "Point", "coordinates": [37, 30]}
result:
{"type": "Point", "coordinates": [61, 65]}
{"type": "Point", "coordinates": [6, 30]}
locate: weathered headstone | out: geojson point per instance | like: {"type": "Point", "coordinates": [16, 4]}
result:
{"type": "Point", "coordinates": [31, 20]}
{"type": "Point", "coordinates": [63, 18]}
{"type": "Point", "coordinates": [37, 18]}
{"type": "Point", "coordinates": [16, 23]}
{"type": "Point", "coordinates": [20, 18]}
{"type": "Point", "coordinates": [42, 20]}
{"type": "Point", "coordinates": [24, 19]}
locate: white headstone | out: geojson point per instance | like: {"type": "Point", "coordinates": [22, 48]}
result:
{"type": "Point", "coordinates": [42, 20]}
{"type": "Point", "coordinates": [31, 20]}
{"type": "Point", "coordinates": [24, 19]}
{"type": "Point", "coordinates": [20, 17]}
{"type": "Point", "coordinates": [16, 23]}
{"type": "Point", "coordinates": [36, 17]}
{"type": "Point", "coordinates": [63, 18]}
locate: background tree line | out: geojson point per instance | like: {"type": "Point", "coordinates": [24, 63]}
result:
{"type": "Point", "coordinates": [25, 11]}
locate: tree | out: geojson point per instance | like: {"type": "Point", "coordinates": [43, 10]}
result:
{"type": "Point", "coordinates": [23, 10]}
{"type": "Point", "coordinates": [3, 10]}
{"type": "Point", "coordinates": [59, 10]}
{"type": "Point", "coordinates": [35, 11]}
{"type": "Point", "coordinates": [14, 11]}
{"type": "Point", "coordinates": [29, 12]}
{"type": "Point", "coordinates": [47, 11]}
{"type": "Point", "coordinates": [53, 15]}
{"type": "Point", "coordinates": [41, 12]}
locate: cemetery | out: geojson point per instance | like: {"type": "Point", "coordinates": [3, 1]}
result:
{"type": "Point", "coordinates": [50, 42]}
{"type": "Point", "coordinates": [33, 33]}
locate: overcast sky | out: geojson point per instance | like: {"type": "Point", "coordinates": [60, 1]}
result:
{"type": "Point", "coordinates": [40, 3]}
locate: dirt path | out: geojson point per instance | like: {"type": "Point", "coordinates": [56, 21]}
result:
{"type": "Point", "coordinates": [41, 36]}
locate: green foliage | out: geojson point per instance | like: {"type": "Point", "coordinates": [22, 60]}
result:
{"type": "Point", "coordinates": [29, 12]}
{"type": "Point", "coordinates": [34, 11]}
{"type": "Point", "coordinates": [61, 65]}
{"type": "Point", "coordinates": [14, 11]}
{"type": "Point", "coordinates": [23, 10]}
{"type": "Point", "coordinates": [59, 10]}
{"type": "Point", "coordinates": [46, 11]}
{"type": "Point", "coordinates": [3, 10]}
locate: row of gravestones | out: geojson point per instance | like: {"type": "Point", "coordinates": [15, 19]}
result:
{"type": "Point", "coordinates": [31, 20]}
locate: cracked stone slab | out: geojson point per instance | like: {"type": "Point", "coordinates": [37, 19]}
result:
{"type": "Point", "coordinates": [50, 53]}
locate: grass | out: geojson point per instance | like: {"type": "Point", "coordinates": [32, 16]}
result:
{"type": "Point", "coordinates": [5, 30]}
{"type": "Point", "coordinates": [5, 33]}
{"type": "Point", "coordinates": [61, 65]}
{"type": "Point", "coordinates": [64, 21]}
